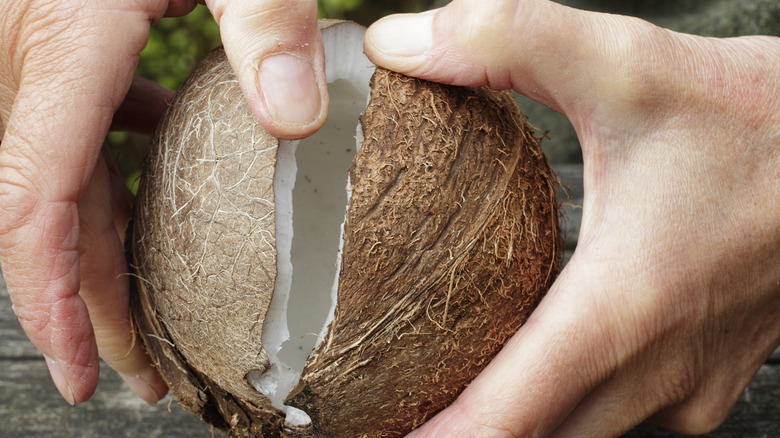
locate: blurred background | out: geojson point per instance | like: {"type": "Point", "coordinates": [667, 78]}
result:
{"type": "Point", "coordinates": [177, 44]}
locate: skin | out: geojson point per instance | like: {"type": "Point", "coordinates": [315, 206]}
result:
{"type": "Point", "coordinates": [666, 310]}
{"type": "Point", "coordinates": [65, 68]}
{"type": "Point", "coordinates": [671, 301]}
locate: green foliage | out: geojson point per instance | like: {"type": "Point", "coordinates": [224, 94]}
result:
{"type": "Point", "coordinates": [366, 12]}
{"type": "Point", "coordinates": [176, 45]}
{"type": "Point", "coordinates": [336, 8]}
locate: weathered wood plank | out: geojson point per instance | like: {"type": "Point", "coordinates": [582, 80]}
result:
{"type": "Point", "coordinates": [32, 407]}
{"type": "Point", "coordinates": [571, 195]}
{"type": "Point", "coordinates": [14, 342]}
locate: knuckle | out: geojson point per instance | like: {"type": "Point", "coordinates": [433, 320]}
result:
{"type": "Point", "coordinates": [678, 388]}
{"type": "Point", "coordinates": [18, 200]}
{"type": "Point", "coordinates": [698, 409]}
{"type": "Point", "coordinates": [707, 420]}
{"type": "Point", "coordinates": [698, 418]}
{"type": "Point", "coordinates": [49, 309]}
{"type": "Point", "coordinates": [677, 380]}
{"type": "Point", "coordinates": [40, 26]}
{"type": "Point", "coordinates": [34, 317]}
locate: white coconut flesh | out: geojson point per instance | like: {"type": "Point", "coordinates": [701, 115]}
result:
{"type": "Point", "coordinates": [311, 195]}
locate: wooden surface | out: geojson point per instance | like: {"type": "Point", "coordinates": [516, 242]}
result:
{"type": "Point", "coordinates": [31, 407]}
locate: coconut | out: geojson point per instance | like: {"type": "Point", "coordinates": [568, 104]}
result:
{"type": "Point", "coordinates": [350, 284]}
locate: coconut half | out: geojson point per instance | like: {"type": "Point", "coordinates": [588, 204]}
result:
{"type": "Point", "coordinates": [350, 284]}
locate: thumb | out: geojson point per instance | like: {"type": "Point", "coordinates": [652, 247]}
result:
{"type": "Point", "coordinates": [275, 48]}
{"type": "Point", "coordinates": [532, 46]}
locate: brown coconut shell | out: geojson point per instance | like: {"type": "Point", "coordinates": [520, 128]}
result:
{"type": "Point", "coordinates": [451, 240]}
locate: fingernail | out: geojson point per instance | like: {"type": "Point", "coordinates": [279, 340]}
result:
{"type": "Point", "coordinates": [290, 89]}
{"type": "Point", "coordinates": [59, 381]}
{"type": "Point", "coordinates": [150, 393]}
{"type": "Point", "coordinates": [403, 34]}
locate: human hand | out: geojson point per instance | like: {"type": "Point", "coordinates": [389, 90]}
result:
{"type": "Point", "coordinates": [65, 67]}
{"type": "Point", "coordinates": [670, 302]}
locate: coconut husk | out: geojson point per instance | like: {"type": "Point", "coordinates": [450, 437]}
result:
{"type": "Point", "coordinates": [451, 239]}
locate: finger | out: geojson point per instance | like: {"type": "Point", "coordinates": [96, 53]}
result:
{"type": "Point", "coordinates": [638, 388]}
{"type": "Point", "coordinates": [142, 108]}
{"type": "Point", "coordinates": [104, 288]}
{"type": "Point", "coordinates": [39, 244]}
{"type": "Point", "coordinates": [531, 46]}
{"type": "Point", "coordinates": [673, 371]}
{"type": "Point", "coordinates": [646, 386]}
{"type": "Point", "coordinates": [67, 93]}
{"type": "Point", "coordinates": [704, 411]}
{"type": "Point", "coordinates": [275, 48]}
{"type": "Point", "coordinates": [649, 379]}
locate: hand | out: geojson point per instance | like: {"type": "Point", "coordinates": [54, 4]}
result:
{"type": "Point", "coordinates": [670, 303]}
{"type": "Point", "coordinates": [65, 68]}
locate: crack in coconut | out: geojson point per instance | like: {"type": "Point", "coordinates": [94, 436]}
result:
{"type": "Point", "coordinates": [310, 209]}
{"type": "Point", "coordinates": [311, 199]}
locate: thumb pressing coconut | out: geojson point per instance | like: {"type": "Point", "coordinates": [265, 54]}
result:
{"type": "Point", "coordinates": [670, 302]}
{"type": "Point", "coordinates": [275, 48]}
{"type": "Point", "coordinates": [65, 68]}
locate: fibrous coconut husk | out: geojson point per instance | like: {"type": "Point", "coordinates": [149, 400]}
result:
{"type": "Point", "coordinates": [450, 241]}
